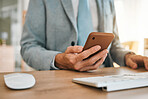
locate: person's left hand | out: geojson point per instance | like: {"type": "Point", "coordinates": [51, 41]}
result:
{"type": "Point", "coordinates": [134, 61]}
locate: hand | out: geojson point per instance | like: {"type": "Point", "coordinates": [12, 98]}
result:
{"type": "Point", "coordinates": [73, 58]}
{"type": "Point", "coordinates": [134, 61]}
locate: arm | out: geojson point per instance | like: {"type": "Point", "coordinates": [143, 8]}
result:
{"type": "Point", "coordinates": [124, 57]}
{"type": "Point", "coordinates": [33, 42]}
{"type": "Point", "coordinates": [117, 51]}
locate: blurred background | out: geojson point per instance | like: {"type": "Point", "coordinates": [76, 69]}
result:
{"type": "Point", "coordinates": [132, 20]}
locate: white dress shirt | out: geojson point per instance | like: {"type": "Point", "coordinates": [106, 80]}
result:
{"type": "Point", "coordinates": [93, 9]}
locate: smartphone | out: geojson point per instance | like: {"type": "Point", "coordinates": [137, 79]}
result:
{"type": "Point", "coordinates": [99, 38]}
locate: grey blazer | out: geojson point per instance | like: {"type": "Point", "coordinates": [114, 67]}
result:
{"type": "Point", "coordinates": [50, 27]}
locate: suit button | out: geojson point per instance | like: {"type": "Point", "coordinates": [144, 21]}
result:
{"type": "Point", "coordinates": [72, 43]}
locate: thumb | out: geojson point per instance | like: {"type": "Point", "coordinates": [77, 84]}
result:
{"type": "Point", "coordinates": [131, 63]}
{"type": "Point", "coordinates": [74, 49]}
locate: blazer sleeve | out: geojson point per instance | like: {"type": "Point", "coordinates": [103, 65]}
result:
{"type": "Point", "coordinates": [117, 51]}
{"type": "Point", "coordinates": [33, 41]}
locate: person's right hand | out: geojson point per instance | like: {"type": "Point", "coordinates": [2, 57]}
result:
{"type": "Point", "coordinates": [74, 58]}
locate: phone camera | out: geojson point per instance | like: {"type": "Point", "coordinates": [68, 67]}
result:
{"type": "Point", "coordinates": [93, 38]}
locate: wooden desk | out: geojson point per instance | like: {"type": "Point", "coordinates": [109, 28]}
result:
{"type": "Point", "coordinates": [58, 85]}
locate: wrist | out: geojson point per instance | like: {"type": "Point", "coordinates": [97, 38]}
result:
{"type": "Point", "coordinates": [58, 61]}
{"type": "Point", "coordinates": [128, 55]}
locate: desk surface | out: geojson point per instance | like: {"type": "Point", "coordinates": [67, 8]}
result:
{"type": "Point", "coordinates": [58, 85]}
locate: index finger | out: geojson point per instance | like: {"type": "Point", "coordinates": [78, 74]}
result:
{"type": "Point", "coordinates": [85, 54]}
{"type": "Point", "coordinates": [74, 49]}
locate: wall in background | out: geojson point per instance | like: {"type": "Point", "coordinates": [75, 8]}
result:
{"type": "Point", "coordinates": [11, 12]}
{"type": "Point", "coordinates": [132, 19]}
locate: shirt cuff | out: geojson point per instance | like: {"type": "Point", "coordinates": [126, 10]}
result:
{"type": "Point", "coordinates": [53, 67]}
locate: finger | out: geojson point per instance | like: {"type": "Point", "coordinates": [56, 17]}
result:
{"type": "Point", "coordinates": [146, 63]}
{"type": "Point", "coordinates": [88, 52]}
{"type": "Point", "coordinates": [74, 49]}
{"type": "Point", "coordinates": [95, 58]}
{"type": "Point", "coordinates": [94, 67]}
{"type": "Point", "coordinates": [131, 64]}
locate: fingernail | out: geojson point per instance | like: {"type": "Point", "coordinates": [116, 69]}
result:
{"type": "Point", "coordinates": [105, 51]}
{"type": "Point", "coordinates": [134, 66]}
{"type": "Point", "coordinates": [105, 55]}
{"type": "Point", "coordinates": [97, 47]}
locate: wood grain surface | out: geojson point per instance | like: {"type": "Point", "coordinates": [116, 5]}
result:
{"type": "Point", "coordinates": [57, 84]}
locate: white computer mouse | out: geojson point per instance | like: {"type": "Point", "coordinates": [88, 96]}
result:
{"type": "Point", "coordinates": [19, 80]}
